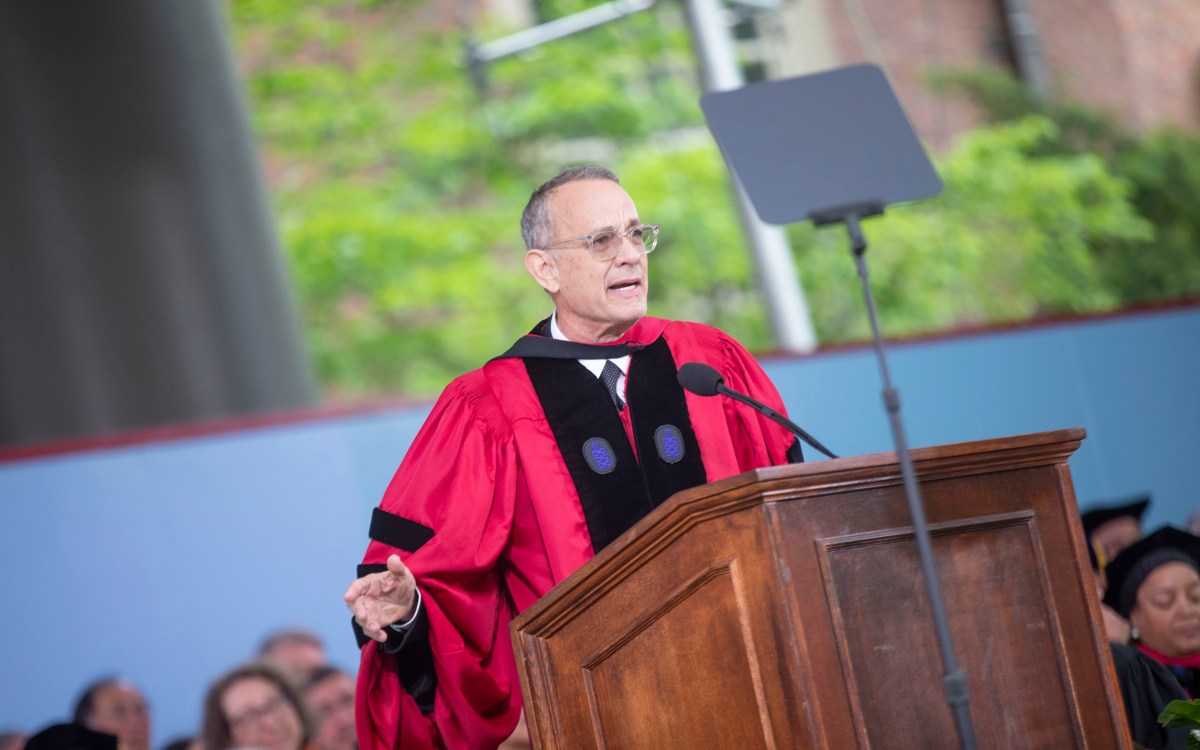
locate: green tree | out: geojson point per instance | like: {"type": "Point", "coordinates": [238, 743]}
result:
{"type": "Point", "coordinates": [1009, 238]}
{"type": "Point", "coordinates": [1162, 167]}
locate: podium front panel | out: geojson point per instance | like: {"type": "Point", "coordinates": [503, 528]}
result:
{"type": "Point", "coordinates": [685, 652]}
{"type": "Point", "coordinates": [884, 624]}
{"type": "Point", "coordinates": [1015, 601]}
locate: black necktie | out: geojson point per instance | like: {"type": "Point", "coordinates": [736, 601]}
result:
{"type": "Point", "coordinates": [610, 375]}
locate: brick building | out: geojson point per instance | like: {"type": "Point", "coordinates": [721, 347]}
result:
{"type": "Point", "coordinates": [1138, 59]}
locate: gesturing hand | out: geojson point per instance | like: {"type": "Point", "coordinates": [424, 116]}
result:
{"type": "Point", "coordinates": [380, 599]}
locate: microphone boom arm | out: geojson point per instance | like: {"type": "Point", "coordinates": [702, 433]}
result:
{"type": "Point", "coordinates": [775, 417]}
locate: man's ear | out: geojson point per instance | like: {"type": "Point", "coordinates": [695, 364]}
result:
{"type": "Point", "coordinates": [541, 266]}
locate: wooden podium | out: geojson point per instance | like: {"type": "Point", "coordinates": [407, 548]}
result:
{"type": "Point", "coordinates": [785, 608]}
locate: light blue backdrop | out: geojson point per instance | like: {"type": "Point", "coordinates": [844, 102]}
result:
{"type": "Point", "coordinates": [168, 561]}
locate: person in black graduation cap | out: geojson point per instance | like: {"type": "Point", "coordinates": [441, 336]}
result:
{"type": "Point", "coordinates": [1115, 626]}
{"type": "Point", "coordinates": [1112, 528]}
{"type": "Point", "coordinates": [1108, 530]}
{"type": "Point", "coordinates": [1155, 584]}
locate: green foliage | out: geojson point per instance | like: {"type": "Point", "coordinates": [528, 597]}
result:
{"type": "Point", "coordinates": [399, 186]}
{"type": "Point", "coordinates": [1183, 714]}
{"type": "Point", "coordinates": [404, 303]}
{"type": "Point", "coordinates": [1003, 98]}
{"type": "Point", "coordinates": [618, 82]}
{"type": "Point", "coordinates": [702, 269]}
{"type": "Point", "coordinates": [1163, 169]}
{"type": "Point", "coordinates": [1009, 238]}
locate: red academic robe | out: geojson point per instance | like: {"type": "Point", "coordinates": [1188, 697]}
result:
{"type": "Point", "coordinates": [487, 477]}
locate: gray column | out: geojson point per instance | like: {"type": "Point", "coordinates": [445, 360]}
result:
{"type": "Point", "coordinates": [787, 309]}
{"type": "Point", "coordinates": [140, 277]}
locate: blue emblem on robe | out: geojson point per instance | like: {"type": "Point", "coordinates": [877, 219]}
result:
{"type": "Point", "coordinates": [669, 441]}
{"type": "Point", "coordinates": [599, 455]}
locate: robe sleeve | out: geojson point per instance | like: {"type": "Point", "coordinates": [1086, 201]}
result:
{"type": "Point", "coordinates": [1146, 689]}
{"type": "Point", "coordinates": [764, 442]}
{"type": "Point", "coordinates": [455, 492]}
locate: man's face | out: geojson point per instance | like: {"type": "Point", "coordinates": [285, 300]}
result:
{"type": "Point", "coordinates": [596, 301]}
{"type": "Point", "coordinates": [332, 701]}
{"type": "Point", "coordinates": [119, 709]}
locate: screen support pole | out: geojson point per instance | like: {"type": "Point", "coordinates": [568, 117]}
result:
{"type": "Point", "coordinates": [954, 682]}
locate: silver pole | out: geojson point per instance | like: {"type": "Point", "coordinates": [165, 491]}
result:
{"type": "Point", "coordinates": [559, 28]}
{"type": "Point", "coordinates": [787, 309]}
{"type": "Point", "coordinates": [1027, 47]}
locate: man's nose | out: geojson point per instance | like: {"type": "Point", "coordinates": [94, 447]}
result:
{"type": "Point", "coordinates": [631, 250]}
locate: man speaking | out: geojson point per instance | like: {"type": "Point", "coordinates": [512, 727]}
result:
{"type": "Point", "coordinates": [530, 465]}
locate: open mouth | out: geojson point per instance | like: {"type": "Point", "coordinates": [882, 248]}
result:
{"type": "Point", "coordinates": [623, 286]}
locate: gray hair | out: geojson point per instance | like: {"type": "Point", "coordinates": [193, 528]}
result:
{"type": "Point", "coordinates": [536, 222]}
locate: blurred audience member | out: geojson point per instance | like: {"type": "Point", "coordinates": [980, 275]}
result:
{"type": "Point", "coordinates": [1193, 522]}
{"type": "Point", "coordinates": [1155, 584]}
{"type": "Point", "coordinates": [1146, 689]}
{"type": "Point", "coordinates": [184, 743]}
{"type": "Point", "coordinates": [12, 739]}
{"type": "Point", "coordinates": [330, 694]}
{"type": "Point", "coordinates": [116, 707]}
{"type": "Point", "coordinates": [1115, 626]}
{"type": "Point", "coordinates": [255, 706]}
{"type": "Point", "coordinates": [71, 736]}
{"type": "Point", "coordinates": [1112, 528]}
{"type": "Point", "coordinates": [297, 652]}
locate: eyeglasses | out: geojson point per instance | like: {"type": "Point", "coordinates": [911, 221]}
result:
{"type": "Point", "coordinates": [606, 244]}
{"type": "Point", "coordinates": [252, 715]}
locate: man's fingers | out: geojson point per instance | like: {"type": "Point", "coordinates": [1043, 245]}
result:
{"type": "Point", "coordinates": [368, 619]}
{"type": "Point", "coordinates": [397, 567]}
{"type": "Point", "coordinates": [377, 599]}
{"type": "Point", "coordinates": [376, 583]}
{"type": "Point", "coordinates": [354, 591]}
{"type": "Point", "coordinates": [396, 571]}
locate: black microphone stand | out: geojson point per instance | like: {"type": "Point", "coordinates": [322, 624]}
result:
{"type": "Point", "coordinates": [841, 162]}
{"type": "Point", "coordinates": [954, 682]}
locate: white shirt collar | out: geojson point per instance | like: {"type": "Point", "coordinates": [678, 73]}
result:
{"type": "Point", "coordinates": [595, 365]}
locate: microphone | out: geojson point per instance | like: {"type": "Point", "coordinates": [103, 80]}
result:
{"type": "Point", "coordinates": [703, 380]}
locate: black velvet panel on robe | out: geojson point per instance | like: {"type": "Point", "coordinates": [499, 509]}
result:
{"type": "Point", "coordinates": [579, 410]}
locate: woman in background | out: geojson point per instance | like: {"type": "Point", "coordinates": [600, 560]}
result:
{"type": "Point", "coordinates": [255, 706]}
{"type": "Point", "coordinates": [1155, 584]}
